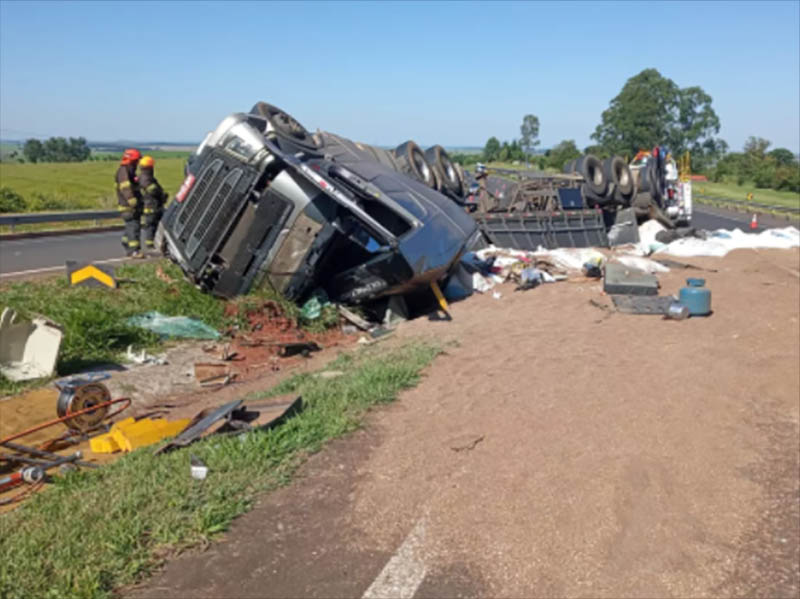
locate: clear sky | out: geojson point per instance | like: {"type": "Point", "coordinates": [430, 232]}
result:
{"type": "Point", "coordinates": [451, 73]}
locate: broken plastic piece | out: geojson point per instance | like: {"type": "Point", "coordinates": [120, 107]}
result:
{"type": "Point", "coordinates": [174, 326]}
{"type": "Point", "coordinates": [28, 348]}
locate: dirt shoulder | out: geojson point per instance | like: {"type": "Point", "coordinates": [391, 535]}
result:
{"type": "Point", "coordinates": [554, 450]}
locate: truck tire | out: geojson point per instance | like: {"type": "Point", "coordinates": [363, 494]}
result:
{"type": "Point", "coordinates": [445, 171]}
{"type": "Point", "coordinates": [618, 173]}
{"type": "Point", "coordinates": [569, 167]}
{"type": "Point", "coordinates": [411, 161]}
{"type": "Point", "coordinates": [591, 169]}
{"type": "Point", "coordinates": [284, 125]}
{"type": "Point", "coordinates": [383, 157]}
{"type": "Point", "coordinates": [593, 200]}
{"type": "Point", "coordinates": [622, 198]}
{"type": "Point", "coordinates": [656, 183]}
{"type": "Point", "coordinates": [461, 179]}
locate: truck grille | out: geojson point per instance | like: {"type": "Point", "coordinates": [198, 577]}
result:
{"type": "Point", "coordinates": [209, 211]}
{"type": "Point", "coordinates": [191, 210]}
{"type": "Point", "coordinates": [216, 216]}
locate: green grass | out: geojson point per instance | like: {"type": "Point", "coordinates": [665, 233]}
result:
{"type": "Point", "coordinates": [94, 318]}
{"type": "Point", "coordinates": [95, 531]}
{"type": "Point", "coordinates": [768, 197]}
{"type": "Point", "coordinates": [78, 185]}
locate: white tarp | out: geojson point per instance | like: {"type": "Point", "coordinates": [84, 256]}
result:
{"type": "Point", "coordinates": [720, 242]}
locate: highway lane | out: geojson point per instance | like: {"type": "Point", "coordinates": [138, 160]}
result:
{"type": "Point", "coordinates": [22, 255]}
{"type": "Point", "coordinates": [32, 255]}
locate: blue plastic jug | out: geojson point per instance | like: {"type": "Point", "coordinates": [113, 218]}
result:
{"type": "Point", "coordinates": [696, 297]}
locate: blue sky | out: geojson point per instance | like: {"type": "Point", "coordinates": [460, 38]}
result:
{"type": "Point", "coordinates": [450, 73]}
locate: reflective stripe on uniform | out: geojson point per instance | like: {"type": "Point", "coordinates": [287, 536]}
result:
{"type": "Point", "coordinates": [151, 188]}
{"type": "Point", "coordinates": [133, 244]}
{"type": "Point", "coordinates": [149, 243]}
{"type": "Point", "coordinates": [148, 211]}
{"type": "Point", "coordinates": [124, 184]}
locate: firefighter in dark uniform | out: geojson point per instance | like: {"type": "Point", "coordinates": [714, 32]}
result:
{"type": "Point", "coordinates": [129, 201]}
{"type": "Point", "coordinates": [153, 199]}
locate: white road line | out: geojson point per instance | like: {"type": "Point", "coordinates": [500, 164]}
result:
{"type": "Point", "coordinates": [405, 571]}
{"type": "Point", "coordinates": [20, 273]}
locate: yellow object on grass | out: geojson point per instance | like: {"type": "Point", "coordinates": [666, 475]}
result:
{"type": "Point", "coordinates": [130, 434]}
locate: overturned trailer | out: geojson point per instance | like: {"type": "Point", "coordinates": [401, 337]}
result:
{"type": "Point", "coordinates": [264, 206]}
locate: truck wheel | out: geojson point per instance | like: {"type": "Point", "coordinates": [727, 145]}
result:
{"type": "Point", "coordinates": [461, 180]}
{"type": "Point", "coordinates": [569, 167]}
{"type": "Point", "coordinates": [593, 200]}
{"type": "Point", "coordinates": [618, 173]}
{"type": "Point", "coordinates": [443, 166]}
{"type": "Point", "coordinates": [591, 169]}
{"type": "Point", "coordinates": [656, 183]}
{"type": "Point", "coordinates": [283, 124]}
{"type": "Point", "coordinates": [412, 162]}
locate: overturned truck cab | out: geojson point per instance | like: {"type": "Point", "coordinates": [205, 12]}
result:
{"type": "Point", "coordinates": [263, 207]}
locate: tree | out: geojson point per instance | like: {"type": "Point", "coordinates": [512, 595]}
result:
{"type": "Point", "coordinates": [652, 110]}
{"type": "Point", "coordinates": [561, 153]}
{"type": "Point", "coordinates": [33, 150]}
{"type": "Point", "coordinates": [782, 156]}
{"type": "Point", "coordinates": [491, 149]}
{"type": "Point", "coordinates": [530, 133]}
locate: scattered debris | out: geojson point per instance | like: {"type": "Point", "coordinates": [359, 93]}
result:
{"type": "Point", "coordinates": [677, 311]}
{"type": "Point", "coordinates": [642, 304]}
{"type": "Point", "coordinates": [354, 318]}
{"type": "Point", "coordinates": [619, 279]}
{"type": "Point", "coordinates": [208, 373]}
{"type": "Point", "coordinates": [144, 358]}
{"type": "Point", "coordinates": [28, 348]}
{"type": "Point", "coordinates": [197, 468]}
{"type": "Point", "coordinates": [696, 297]}
{"type": "Point", "coordinates": [199, 425]}
{"type": "Point", "coordinates": [174, 326]}
{"type": "Point", "coordinates": [129, 434]}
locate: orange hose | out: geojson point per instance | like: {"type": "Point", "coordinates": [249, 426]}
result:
{"type": "Point", "coordinates": [71, 415]}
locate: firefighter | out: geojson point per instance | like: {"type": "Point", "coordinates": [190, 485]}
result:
{"type": "Point", "coordinates": [129, 201]}
{"type": "Point", "coordinates": [153, 199]}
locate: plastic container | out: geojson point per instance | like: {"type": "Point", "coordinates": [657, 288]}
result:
{"type": "Point", "coordinates": [696, 297]}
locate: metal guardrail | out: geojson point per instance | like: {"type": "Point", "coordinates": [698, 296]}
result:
{"type": "Point", "coordinates": [748, 206]}
{"type": "Point", "coordinates": [31, 218]}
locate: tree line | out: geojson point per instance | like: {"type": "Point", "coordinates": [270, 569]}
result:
{"type": "Point", "coordinates": [653, 110]}
{"type": "Point", "coordinates": [56, 149]}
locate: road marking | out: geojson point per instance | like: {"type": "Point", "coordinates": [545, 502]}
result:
{"type": "Point", "coordinates": [22, 273]}
{"type": "Point", "coordinates": [405, 571]}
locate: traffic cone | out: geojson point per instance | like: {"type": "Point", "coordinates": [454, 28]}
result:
{"type": "Point", "coordinates": [754, 221]}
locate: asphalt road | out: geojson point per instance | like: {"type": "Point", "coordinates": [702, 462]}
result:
{"type": "Point", "coordinates": [33, 256]}
{"type": "Point", "coordinates": [38, 255]}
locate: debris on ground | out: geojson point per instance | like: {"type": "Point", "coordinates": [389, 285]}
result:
{"type": "Point", "coordinates": [142, 357]}
{"type": "Point", "coordinates": [129, 434]}
{"type": "Point", "coordinates": [174, 326]}
{"type": "Point", "coordinates": [28, 348]}
{"type": "Point", "coordinates": [621, 279]}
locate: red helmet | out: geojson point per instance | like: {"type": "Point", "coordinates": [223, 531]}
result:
{"type": "Point", "coordinates": [130, 155]}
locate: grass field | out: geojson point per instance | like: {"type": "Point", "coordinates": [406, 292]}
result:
{"type": "Point", "coordinates": [78, 185]}
{"type": "Point", "coordinates": [769, 197]}
{"type": "Point", "coordinates": [97, 530]}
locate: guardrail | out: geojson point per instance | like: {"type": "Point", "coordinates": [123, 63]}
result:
{"type": "Point", "coordinates": [35, 218]}
{"type": "Point", "coordinates": [747, 206]}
